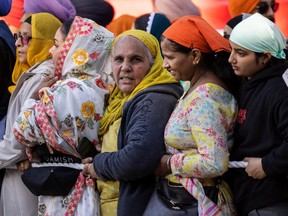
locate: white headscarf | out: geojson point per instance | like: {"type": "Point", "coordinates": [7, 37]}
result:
{"type": "Point", "coordinates": [259, 34]}
{"type": "Point", "coordinates": [73, 106]}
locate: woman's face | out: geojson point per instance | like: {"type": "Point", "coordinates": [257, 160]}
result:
{"type": "Point", "coordinates": [177, 63]}
{"type": "Point", "coordinates": [130, 63]}
{"type": "Point", "coordinates": [23, 42]}
{"type": "Point", "coordinates": [244, 62]}
{"type": "Point", "coordinates": [58, 43]}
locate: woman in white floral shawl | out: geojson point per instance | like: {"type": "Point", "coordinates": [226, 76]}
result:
{"type": "Point", "coordinates": [70, 109]}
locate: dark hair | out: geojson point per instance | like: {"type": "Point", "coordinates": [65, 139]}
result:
{"type": "Point", "coordinates": [65, 28]}
{"type": "Point", "coordinates": [272, 62]}
{"type": "Point", "coordinates": [141, 22]}
{"type": "Point", "coordinates": [217, 62]}
{"type": "Point", "coordinates": [28, 20]}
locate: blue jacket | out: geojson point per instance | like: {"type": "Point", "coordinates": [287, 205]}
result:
{"type": "Point", "coordinates": [140, 147]}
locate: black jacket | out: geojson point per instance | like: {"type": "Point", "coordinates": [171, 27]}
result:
{"type": "Point", "coordinates": [140, 147]}
{"type": "Point", "coordinates": [262, 131]}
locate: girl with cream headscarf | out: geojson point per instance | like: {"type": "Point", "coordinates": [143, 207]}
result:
{"type": "Point", "coordinates": [41, 28]}
{"type": "Point", "coordinates": [261, 132]}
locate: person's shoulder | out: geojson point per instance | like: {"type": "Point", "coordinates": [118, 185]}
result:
{"type": "Point", "coordinates": [44, 67]}
{"type": "Point", "coordinates": [173, 89]}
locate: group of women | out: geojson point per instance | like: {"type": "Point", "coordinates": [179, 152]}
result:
{"type": "Point", "coordinates": [149, 132]}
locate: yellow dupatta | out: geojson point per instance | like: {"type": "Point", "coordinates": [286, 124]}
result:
{"type": "Point", "coordinates": [157, 75]}
{"type": "Point", "coordinates": [43, 28]}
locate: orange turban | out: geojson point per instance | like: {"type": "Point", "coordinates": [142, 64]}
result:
{"type": "Point", "coordinates": [121, 24]}
{"type": "Point", "coordinates": [195, 32]}
{"type": "Point", "coordinates": [236, 7]}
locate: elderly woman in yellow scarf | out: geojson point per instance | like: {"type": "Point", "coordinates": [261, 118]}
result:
{"type": "Point", "coordinates": [133, 124]}
{"type": "Point", "coordinates": [35, 38]}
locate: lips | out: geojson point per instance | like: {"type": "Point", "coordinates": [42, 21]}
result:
{"type": "Point", "coordinates": [171, 71]}
{"type": "Point", "coordinates": [20, 53]}
{"type": "Point", "coordinates": [125, 79]}
{"type": "Point", "coordinates": [234, 67]}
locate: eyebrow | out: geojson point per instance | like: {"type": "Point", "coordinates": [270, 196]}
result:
{"type": "Point", "coordinates": [24, 33]}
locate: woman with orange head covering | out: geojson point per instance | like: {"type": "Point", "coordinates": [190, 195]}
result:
{"type": "Point", "coordinates": [198, 133]}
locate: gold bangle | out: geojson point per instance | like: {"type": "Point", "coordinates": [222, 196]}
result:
{"type": "Point", "coordinates": [169, 163]}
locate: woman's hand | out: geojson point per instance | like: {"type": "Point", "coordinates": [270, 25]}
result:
{"type": "Point", "coordinates": [46, 82]}
{"type": "Point", "coordinates": [23, 165]}
{"type": "Point", "coordinates": [88, 169]}
{"type": "Point", "coordinates": [254, 168]}
{"type": "Point", "coordinates": [163, 167]}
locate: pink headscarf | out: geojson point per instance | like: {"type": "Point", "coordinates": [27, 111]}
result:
{"type": "Point", "coordinates": [174, 9]}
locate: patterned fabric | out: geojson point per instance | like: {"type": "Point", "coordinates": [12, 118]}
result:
{"type": "Point", "coordinates": [42, 40]}
{"type": "Point", "coordinates": [198, 135]}
{"type": "Point", "coordinates": [72, 108]}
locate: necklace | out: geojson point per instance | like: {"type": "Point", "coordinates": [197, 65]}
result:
{"type": "Point", "coordinates": [191, 86]}
{"type": "Point", "coordinates": [197, 81]}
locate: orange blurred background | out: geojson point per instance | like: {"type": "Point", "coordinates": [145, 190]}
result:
{"type": "Point", "coordinates": [213, 11]}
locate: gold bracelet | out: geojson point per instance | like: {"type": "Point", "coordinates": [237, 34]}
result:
{"type": "Point", "coordinates": [169, 163]}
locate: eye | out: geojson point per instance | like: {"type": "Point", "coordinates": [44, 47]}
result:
{"type": "Point", "coordinates": [117, 59]}
{"type": "Point", "coordinates": [136, 60]}
{"type": "Point", "coordinates": [168, 57]}
{"type": "Point", "coordinates": [241, 53]}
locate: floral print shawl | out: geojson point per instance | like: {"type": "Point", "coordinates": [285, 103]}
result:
{"type": "Point", "coordinates": [71, 109]}
{"type": "Point", "coordinates": [73, 106]}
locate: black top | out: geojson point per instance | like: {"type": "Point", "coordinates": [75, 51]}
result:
{"type": "Point", "coordinates": [262, 131]}
{"type": "Point", "coordinates": [7, 61]}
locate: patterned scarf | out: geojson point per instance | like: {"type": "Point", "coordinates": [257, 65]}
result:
{"type": "Point", "coordinates": [205, 205]}
{"type": "Point", "coordinates": [72, 108]}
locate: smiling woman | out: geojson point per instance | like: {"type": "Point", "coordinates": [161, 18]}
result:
{"type": "Point", "coordinates": [198, 133]}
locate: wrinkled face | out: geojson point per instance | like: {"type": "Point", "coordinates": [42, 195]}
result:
{"type": "Point", "coordinates": [244, 62]}
{"type": "Point", "coordinates": [23, 42]}
{"type": "Point", "coordinates": [130, 63]}
{"type": "Point", "coordinates": [179, 64]}
{"type": "Point", "coordinates": [58, 43]}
